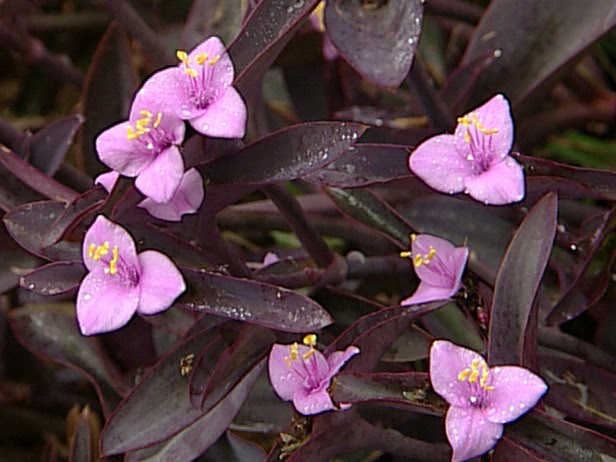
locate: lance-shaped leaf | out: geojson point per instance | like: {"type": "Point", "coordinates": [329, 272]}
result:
{"type": "Point", "coordinates": [579, 390]}
{"type": "Point", "coordinates": [523, 30]}
{"type": "Point", "coordinates": [378, 39]}
{"type": "Point", "coordinates": [364, 165]}
{"type": "Point", "coordinates": [594, 276]}
{"type": "Point", "coordinates": [264, 34]}
{"type": "Point", "coordinates": [367, 208]}
{"type": "Point", "coordinates": [48, 147]}
{"type": "Point", "coordinates": [252, 302]}
{"type": "Point", "coordinates": [34, 178]}
{"type": "Point", "coordinates": [284, 155]}
{"type": "Point", "coordinates": [541, 437]}
{"type": "Point", "coordinates": [50, 331]}
{"type": "Point", "coordinates": [196, 438]}
{"type": "Point", "coordinates": [406, 390]}
{"type": "Point", "coordinates": [517, 283]}
{"type": "Point", "coordinates": [54, 278]}
{"type": "Point", "coordinates": [600, 182]}
{"type": "Point", "coordinates": [29, 223]}
{"type": "Point", "coordinates": [136, 423]}
{"type": "Point", "coordinates": [110, 84]}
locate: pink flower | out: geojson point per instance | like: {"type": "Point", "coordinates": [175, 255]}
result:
{"type": "Point", "coordinates": [475, 159]}
{"type": "Point", "coordinates": [482, 398]}
{"type": "Point", "coordinates": [199, 90]}
{"type": "Point", "coordinates": [146, 146]}
{"type": "Point", "coordinates": [187, 198]}
{"type": "Point", "coordinates": [302, 374]}
{"type": "Point", "coordinates": [121, 282]}
{"type": "Point", "coordinates": [438, 265]}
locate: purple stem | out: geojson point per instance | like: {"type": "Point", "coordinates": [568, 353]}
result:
{"type": "Point", "coordinates": [303, 229]}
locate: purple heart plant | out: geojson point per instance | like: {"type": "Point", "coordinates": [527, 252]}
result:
{"type": "Point", "coordinates": [241, 175]}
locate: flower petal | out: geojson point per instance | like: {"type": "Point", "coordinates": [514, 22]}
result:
{"type": "Point", "coordinates": [438, 163]}
{"type": "Point", "coordinates": [104, 230]}
{"type": "Point", "coordinates": [447, 360]}
{"type": "Point", "coordinates": [470, 433]}
{"type": "Point", "coordinates": [284, 378]}
{"type": "Point", "coordinates": [107, 180]}
{"type": "Point", "coordinates": [222, 71]}
{"type": "Point", "coordinates": [166, 86]}
{"type": "Point", "coordinates": [162, 177]}
{"type": "Point", "coordinates": [495, 114]}
{"type": "Point", "coordinates": [313, 402]}
{"type": "Point", "coordinates": [516, 391]}
{"type": "Point", "coordinates": [128, 157]}
{"type": "Point", "coordinates": [502, 184]}
{"type": "Point", "coordinates": [104, 303]}
{"type": "Point", "coordinates": [427, 293]}
{"type": "Point", "coordinates": [160, 282]}
{"type": "Point", "coordinates": [224, 117]}
{"type": "Point", "coordinates": [186, 199]}
{"type": "Point", "coordinates": [338, 359]}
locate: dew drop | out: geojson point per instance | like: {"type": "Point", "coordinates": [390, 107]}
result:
{"type": "Point", "coordinates": [470, 157]}
{"type": "Point", "coordinates": [150, 146]}
{"type": "Point", "coordinates": [87, 297]}
{"type": "Point", "coordinates": [278, 294]}
{"type": "Point", "coordinates": [31, 286]}
{"type": "Point", "coordinates": [511, 408]}
{"type": "Point", "coordinates": [205, 127]}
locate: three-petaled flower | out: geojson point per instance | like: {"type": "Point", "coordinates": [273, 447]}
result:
{"type": "Point", "coordinates": [302, 374]}
{"type": "Point", "coordinates": [187, 198]}
{"type": "Point", "coordinates": [146, 146]}
{"type": "Point", "coordinates": [438, 265]}
{"type": "Point", "coordinates": [121, 282]}
{"type": "Point", "coordinates": [475, 159]}
{"type": "Point", "coordinates": [482, 398]}
{"type": "Point", "coordinates": [199, 90]}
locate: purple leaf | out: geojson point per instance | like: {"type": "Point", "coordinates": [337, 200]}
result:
{"type": "Point", "coordinates": [517, 283]}
{"type": "Point", "coordinates": [82, 444]}
{"type": "Point", "coordinates": [284, 155]}
{"type": "Point", "coordinates": [110, 84]}
{"type": "Point", "coordinates": [406, 390]}
{"type": "Point", "coordinates": [50, 331]}
{"type": "Point", "coordinates": [190, 443]}
{"type": "Point", "coordinates": [364, 165]}
{"type": "Point", "coordinates": [379, 40]}
{"type": "Point", "coordinates": [28, 225]}
{"type": "Point", "coordinates": [54, 278]}
{"type": "Point", "coordinates": [135, 423]}
{"type": "Point", "coordinates": [252, 302]}
{"type": "Point", "coordinates": [48, 147]}
{"type": "Point", "coordinates": [553, 32]}
{"type": "Point", "coordinates": [594, 276]}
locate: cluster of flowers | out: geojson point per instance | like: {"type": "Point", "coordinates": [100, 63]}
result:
{"type": "Point", "coordinates": [147, 147]}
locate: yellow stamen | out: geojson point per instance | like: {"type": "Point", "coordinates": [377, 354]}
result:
{"type": "Point", "coordinates": [101, 250]}
{"type": "Point", "coordinates": [294, 352]}
{"type": "Point", "coordinates": [310, 340]}
{"type": "Point", "coordinates": [405, 254]}
{"type": "Point", "coordinates": [309, 353]}
{"type": "Point", "coordinates": [481, 128]}
{"type": "Point", "coordinates": [471, 118]}
{"type": "Point", "coordinates": [113, 264]}
{"type": "Point", "coordinates": [214, 60]}
{"type": "Point", "coordinates": [159, 116]}
{"type": "Point", "coordinates": [182, 56]}
{"type": "Point", "coordinates": [413, 236]}
{"type": "Point", "coordinates": [463, 375]}
{"type": "Point", "coordinates": [473, 373]}
{"type": "Point", "coordinates": [417, 260]}
{"type": "Point", "coordinates": [201, 58]}
{"type": "Point", "coordinates": [145, 113]}
{"type": "Point", "coordinates": [131, 134]}
{"type": "Point", "coordinates": [91, 250]}
{"type": "Point", "coordinates": [193, 73]}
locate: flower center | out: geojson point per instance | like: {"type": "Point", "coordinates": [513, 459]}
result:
{"type": "Point", "coordinates": [479, 139]}
{"type": "Point", "coordinates": [114, 264]}
{"type": "Point", "coordinates": [305, 365]}
{"type": "Point", "coordinates": [479, 370]}
{"type": "Point", "coordinates": [147, 130]}
{"type": "Point", "coordinates": [200, 74]}
{"type": "Point", "coordinates": [426, 259]}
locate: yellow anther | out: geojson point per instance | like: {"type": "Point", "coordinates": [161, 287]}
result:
{"type": "Point", "coordinates": [431, 253]}
{"type": "Point", "coordinates": [91, 250]}
{"type": "Point", "coordinates": [193, 73]}
{"type": "Point", "coordinates": [413, 236]}
{"type": "Point", "coordinates": [463, 375]}
{"type": "Point", "coordinates": [418, 260]}
{"type": "Point", "coordinates": [464, 121]}
{"type": "Point", "coordinates": [145, 113]}
{"type": "Point", "coordinates": [113, 264]}
{"type": "Point", "coordinates": [287, 362]}
{"type": "Point", "coordinates": [201, 58]}
{"type": "Point", "coordinates": [159, 116]}
{"type": "Point", "coordinates": [101, 250]}
{"type": "Point", "coordinates": [405, 254]}
{"type": "Point", "coordinates": [294, 352]}
{"type": "Point", "coordinates": [481, 128]}
{"type": "Point", "coordinates": [214, 60]}
{"type": "Point", "coordinates": [131, 134]}
{"type": "Point", "coordinates": [318, 13]}
{"type": "Point", "coordinates": [473, 373]}
{"type": "Point", "coordinates": [310, 340]}
{"type": "Point", "coordinates": [182, 56]}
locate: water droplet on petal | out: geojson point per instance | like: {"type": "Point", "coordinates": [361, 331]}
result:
{"type": "Point", "coordinates": [205, 127]}
{"type": "Point", "coordinates": [87, 297]}
{"type": "Point", "coordinates": [470, 157]}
